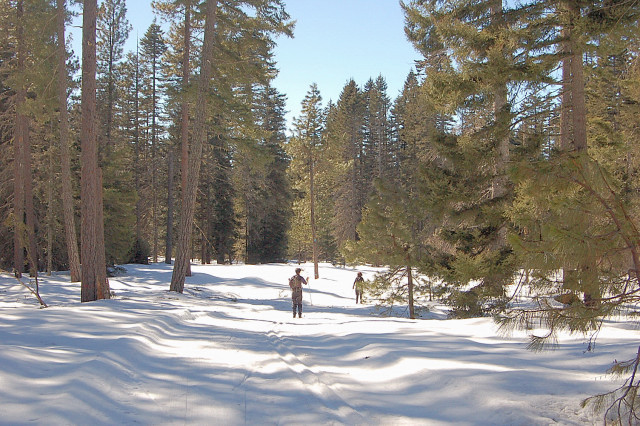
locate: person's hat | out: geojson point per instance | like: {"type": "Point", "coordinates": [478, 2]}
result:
{"type": "Point", "coordinates": [298, 270]}
{"type": "Point", "coordinates": [359, 274]}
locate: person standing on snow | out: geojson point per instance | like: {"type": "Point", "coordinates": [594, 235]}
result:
{"type": "Point", "coordinates": [358, 284]}
{"type": "Point", "coordinates": [295, 283]}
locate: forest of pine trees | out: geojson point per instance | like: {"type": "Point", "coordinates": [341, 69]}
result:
{"type": "Point", "coordinates": [144, 125]}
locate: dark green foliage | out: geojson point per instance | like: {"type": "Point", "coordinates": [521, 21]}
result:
{"type": "Point", "coordinates": [271, 211]}
{"type": "Point", "coordinates": [390, 290]}
{"type": "Point", "coordinates": [215, 215]}
{"type": "Point", "coordinates": [140, 253]}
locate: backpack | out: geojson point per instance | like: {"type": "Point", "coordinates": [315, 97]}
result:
{"type": "Point", "coordinates": [294, 282]}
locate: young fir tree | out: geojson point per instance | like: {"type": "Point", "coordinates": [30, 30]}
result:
{"type": "Point", "coordinates": [472, 84]}
{"type": "Point", "coordinates": [397, 222]}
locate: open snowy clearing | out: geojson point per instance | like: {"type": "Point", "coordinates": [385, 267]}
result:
{"type": "Point", "coordinates": [228, 351]}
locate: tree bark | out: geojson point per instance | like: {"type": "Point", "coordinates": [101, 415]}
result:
{"type": "Point", "coordinates": [169, 239]}
{"type": "Point", "coordinates": [314, 232]}
{"type": "Point", "coordinates": [29, 210]}
{"type": "Point", "coordinates": [573, 110]}
{"type": "Point", "coordinates": [199, 135]}
{"type": "Point", "coordinates": [65, 157]}
{"type": "Point", "coordinates": [18, 177]}
{"type": "Point", "coordinates": [412, 313]}
{"type": "Point", "coordinates": [137, 150]}
{"type": "Point", "coordinates": [23, 186]}
{"type": "Point", "coordinates": [154, 168]}
{"type": "Point", "coordinates": [94, 280]}
{"type": "Point", "coordinates": [50, 210]}
{"type": "Point", "coordinates": [566, 100]}
{"type": "Point", "coordinates": [184, 129]}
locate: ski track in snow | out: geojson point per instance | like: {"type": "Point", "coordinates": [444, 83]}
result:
{"type": "Point", "coordinates": [227, 351]}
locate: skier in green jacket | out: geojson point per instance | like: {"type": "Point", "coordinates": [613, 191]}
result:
{"type": "Point", "coordinates": [358, 284]}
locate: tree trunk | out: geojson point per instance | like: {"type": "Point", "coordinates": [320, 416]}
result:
{"type": "Point", "coordinates": [50, 211]}
{"type": "Point", "coordinates": [154, 168]}
{"type": "Point", "coordinates": [169, 239]}
{"type": "Point", "coordinates": [578, 100]}
{"type": "Point", "coordinates": [501, 115]}
{"type": "Point", "coordinates": [29, 210]}
{"type": "Point", "coordinates": [199, 135]}
{"type": "Point", "coordinates": [94, 280]}
{"type": "Point", "coordinates": [65, 157]}
{"type": "Point", "coordinates": [566, 100]}
{"type": "Point", "coordinates": [136, 159]}
{"type": "Point", "coordinates": [412, 313]}
{"type": "Point", "coordinates": [184, 129]}
{"type": "Point", "coordinates": [18, 146]}
{"type": "Point", "coordinates": [314, 235]}
{"type": "Point", "coordinates": [24, 209]}
{"type": "Point", "coordinates": [18, 196]}
{"type": "Point", "coordinates": [573, 110]}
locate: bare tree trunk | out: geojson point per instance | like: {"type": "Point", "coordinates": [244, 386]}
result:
{"type": "Point", "coordinates": [136, 158]}
{"type": "Point", "coordinates": [314, 235]}
{"type": "Point", "coordinates": [566, 100]}
{"type": "Point", "coordinates": [154, 170]}
{"type": "Point", "coordinates": [65, 156]}
{"type": "Point", "coordinates": [184, 130]}
{"type": "Point", "coordinates": [24, 195]}
{"type": "Point", "coordinates": [18, 146]}
{"type": "Point", "coordinates": [579, 103]}
{"type": "Point", "coordinates": [94, 278]}
{"type": "Point", "coordinates": [199, 136]}
{"type": "Point", "coordinates": [412, 312]}
{"type": "Point", "coordinates": [501, 117]}
{"type": "Point", "coordinates": [29, 209]}
{"type": "Point", "coordinates": [50, 211]}
{"type": "Point", "coordinates": [573, 111]}
{"type": "Point", "coordinates": [169, 239]}
{"type": "Point", "coordinates": [18, 197]}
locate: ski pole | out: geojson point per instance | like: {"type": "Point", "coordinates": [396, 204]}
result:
{"type": "Point", "coordinates": [309, 285]}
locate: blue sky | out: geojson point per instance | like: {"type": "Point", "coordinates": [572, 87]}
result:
{"type": "Point", "coordinates": [334, 41]}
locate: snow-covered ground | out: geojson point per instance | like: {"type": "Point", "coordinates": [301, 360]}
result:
{"type": "Point", "coordinates": [228, 352]}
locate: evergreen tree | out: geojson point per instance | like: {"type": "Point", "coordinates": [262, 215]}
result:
{"type": "Point", "coordinates": [377, 129]}
{"type": "Point", "coordinates": [305, 149]}
{"type": "Point", "coordinates": [152, 49]}
{"type": "Point", "coordinates": [270, 214]}
{"type": "Point", "coordinates": [115, 158]}
{"type": "Point", "coordinates": [187, 215]}
{"type": "Point", "coordinates": [112, 32]}
{"type": "Point", "coordinates": [352, 188]}
{"type": "Point", "coordinates": [65, 155]}
{"type": "Point", "coordinates": [472, 84]}
{"type": "Point", "coordinates": [132, 126]}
